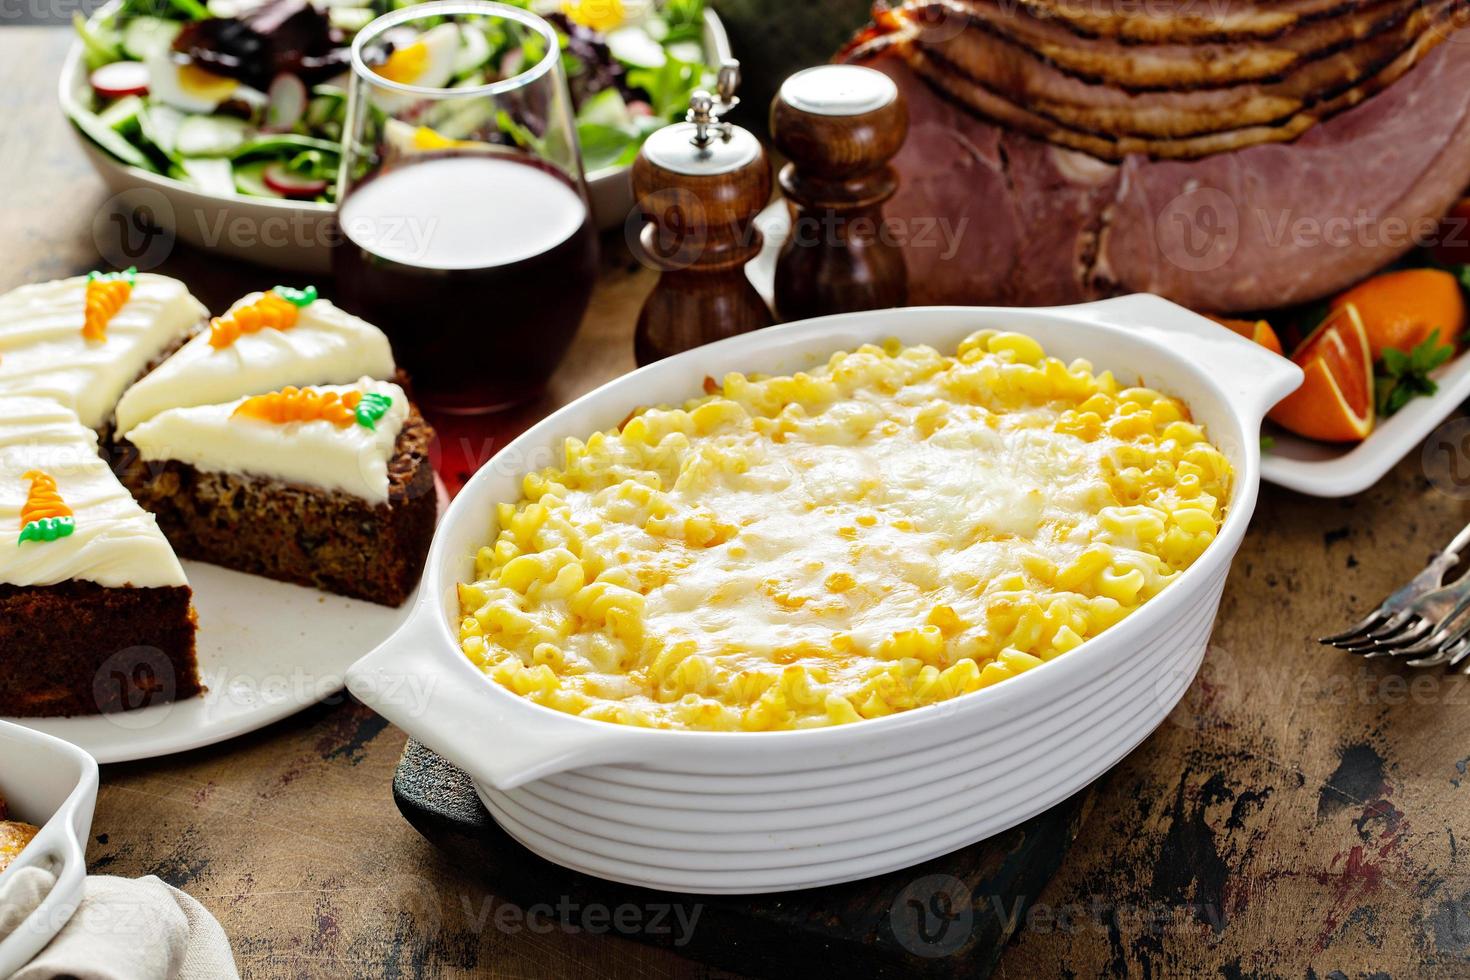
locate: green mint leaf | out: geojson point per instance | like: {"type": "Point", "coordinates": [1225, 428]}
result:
{"type": "Point", "coordinates": [1383, 389]}
{"type": "Point", "coordinates": [1430, 354]}
{"type": "Point", "coordinates": [1398, 397]}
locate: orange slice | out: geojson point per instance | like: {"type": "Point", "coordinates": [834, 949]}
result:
{"type": "Point", "coordinates": [1402, 309]}
{"type": "Point", "coordinates": [1257, 330]}
{"type": "Point", "coordinates": [1335, 402]}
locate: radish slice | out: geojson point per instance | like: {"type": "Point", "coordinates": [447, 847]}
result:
{"type": "Point", "coordinates": [283, 181]}
{"type": "Point", "coordinates": [288, 99]}
{"type": "Point", "coordinates": [120, 78]}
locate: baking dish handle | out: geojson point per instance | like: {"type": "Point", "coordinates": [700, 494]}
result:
{"type": "Point", "coordinates": [494, 736]}
{"type": "Point", "coordinates": [1253, 377]}
{"type": "Point", "coordinates": [59, 848]}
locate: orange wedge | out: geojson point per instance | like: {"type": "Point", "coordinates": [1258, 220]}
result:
{"type": "Point", "coordinates": [1403, 309]}
{"type": "Point", "coordinates": [1335, 402]}
{"type": "Point", "coordinates": [1258, 330]}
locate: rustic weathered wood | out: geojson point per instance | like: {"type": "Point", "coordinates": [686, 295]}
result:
{"type": "Point", "coordinates": [1301, 812]}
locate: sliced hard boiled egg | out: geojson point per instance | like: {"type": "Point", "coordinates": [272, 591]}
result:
{"type": "Point", "coordinates": [606, 15]}
{"type": "Point", "coordinates": [475, 50]}
{"type": "Point", "coordinates": [408, 139]}
{"type": "Point", "coordinates": [187, 86]}
{"type": "Point", "coordinates": [427, 62]}
{"type": "Point", "coordinates": [634, 46]}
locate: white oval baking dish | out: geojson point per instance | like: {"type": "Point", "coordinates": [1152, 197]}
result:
{"type": "Point", "coordinates": [756, 812]}
{"type": "Point", "coordinates": [54, 784]}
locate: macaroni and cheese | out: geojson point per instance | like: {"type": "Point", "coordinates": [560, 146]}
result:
{"type": "Point", "coordinates": [891, 530]}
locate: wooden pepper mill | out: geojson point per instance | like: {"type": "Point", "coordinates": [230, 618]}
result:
{"type": "Point", "coordinates": [700, 185]}
{"type": "Point", "coordinates": [839, 125]}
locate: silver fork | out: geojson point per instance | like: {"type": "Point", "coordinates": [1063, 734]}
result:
{"type": "Point", "coordinates": [1441, 625]}
{"type": "Point", "coordinates": [1448, 644]}
{"type": "Point", "coordinates": [1423, 610]}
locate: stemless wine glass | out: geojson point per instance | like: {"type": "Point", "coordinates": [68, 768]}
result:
{"type": "Point", "coordinates": [463, 225]}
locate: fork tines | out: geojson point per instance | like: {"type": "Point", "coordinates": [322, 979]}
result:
{"type": "Point", "coordinates": [1424, 621]}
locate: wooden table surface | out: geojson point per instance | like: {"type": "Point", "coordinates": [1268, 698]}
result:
{"type": "Point", "coordinates": [1302, 812]}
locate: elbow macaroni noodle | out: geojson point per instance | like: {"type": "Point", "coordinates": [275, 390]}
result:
{"type": "Point", "coordinates": [894, 529]}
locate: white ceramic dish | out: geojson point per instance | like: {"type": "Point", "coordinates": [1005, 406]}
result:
{"type": "Point", "coordinates": [1326, 470]}
{"type": "Point", "coordinates": [292, 235]}
{"type": "Point", "coordinates": [52, 784]}
{"type": "Point", "coordinates": [266, 651]}
{"type": "Point", "coordinates": [757, 812]}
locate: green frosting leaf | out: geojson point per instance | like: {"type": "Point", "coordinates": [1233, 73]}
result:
{"type": "Point", "coordinates": [130, 274]}
{"type": "Point", "coordinates": [297, 297]}
{"type": "Point", "coordinates": [372, 407]}
{"type": "Point", "coordinates": [47, 529]}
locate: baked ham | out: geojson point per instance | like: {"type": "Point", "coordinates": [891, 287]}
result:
{"type": "Point", "coordinates": [1162, 21]}
{"type": "Point", "coordinates": [1165, 65]}
{"type": "Point", "coordinates": [1034, 185]}
{"type": "Point", "coordinates": [1074, 104]}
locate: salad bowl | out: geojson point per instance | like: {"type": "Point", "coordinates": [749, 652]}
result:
{"type": "Point", "coordinates": [286, 233]}
{"type": "Point", "coordinates": [743, 812]}
{"type": "Point", "coordinates": [53, 784]}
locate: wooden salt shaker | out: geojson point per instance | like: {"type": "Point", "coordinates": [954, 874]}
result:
{"type": "Point", "coordinates": [839, 125]}
{"type": "Point", "coordinates": [700, 185]}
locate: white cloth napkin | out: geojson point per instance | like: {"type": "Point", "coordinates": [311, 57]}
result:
{"type": "Point", "coordinates": [124, 929]}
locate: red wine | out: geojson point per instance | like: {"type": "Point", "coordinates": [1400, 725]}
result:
{"type": "Point", "coordinates": [477, 266]}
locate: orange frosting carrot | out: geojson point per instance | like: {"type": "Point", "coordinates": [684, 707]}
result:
{"type": "Point", "coordinates": [105, 296]}
{"type": "Point", "coordinates": [43, 501]}
{"type": "Point", "coordinates": [302, 405]}
{"type": "Point", "coordinates": [270, 311]}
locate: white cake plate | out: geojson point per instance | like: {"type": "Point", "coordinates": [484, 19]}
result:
{"type": "Point", "coordinates": [266, 651]}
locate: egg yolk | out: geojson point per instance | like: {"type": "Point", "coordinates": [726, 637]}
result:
{"type": "Point", "coordinates": [405, 64]}
{"type": "Point", "coordinates": [197, 81]}
{"type": "Point", "coordinates": [600, 15]}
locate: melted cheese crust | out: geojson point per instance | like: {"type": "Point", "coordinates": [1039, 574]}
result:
{"type": "Point", "coordinates": [892, 530]}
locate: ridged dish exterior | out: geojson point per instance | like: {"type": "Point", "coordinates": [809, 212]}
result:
{"type": "Point", "coordinates": [737, 842]}
{"type": "Point", "coordinates": [722, 812]}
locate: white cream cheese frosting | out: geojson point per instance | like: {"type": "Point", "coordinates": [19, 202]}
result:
{"type": "Point", "coordinates": [43, 351]}
{"type": "Point", "coordinates": [326, 346]}
{"type": "Point", "coordinates": [319, 453]}
{"type": "Point", "coordinates": [115, 542]}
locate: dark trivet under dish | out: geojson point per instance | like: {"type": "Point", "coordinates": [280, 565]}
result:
{"type": "Point", "coordinates": [949, 917]}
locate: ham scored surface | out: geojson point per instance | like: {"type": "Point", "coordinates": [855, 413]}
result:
{"type": "Point", "coordinates": [992, 214]}
{"type": "Point", "coordinates": [1186, 20]}
{"type": "Point", "coordinates": [1058, 99]}
{"type": "Point", "coordinates": [1221, 61]}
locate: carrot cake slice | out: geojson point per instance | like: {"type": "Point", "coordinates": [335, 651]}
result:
{"type": "Point", "coordinates": [83, 340]}
{"type": "Point", "coordinates": [327, 486]}
{"type": "Point", "coordinates": [265, 342]}
{"type": "Point", "coordinates": [95, 612]}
